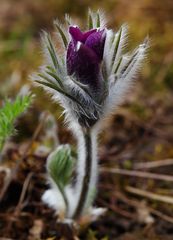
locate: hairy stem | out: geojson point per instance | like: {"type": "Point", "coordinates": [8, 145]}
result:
{"type": "Point", "coordinates": [87, 176]}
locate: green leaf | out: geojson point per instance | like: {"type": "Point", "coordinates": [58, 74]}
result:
{"type": "Point", "coordinates": [68, 19]}
{"type": "Point", "coordinates": [9, 113]}
{"type": "Point", "coordinates": [52, 85]}
{"type": "Point", "coordinates": [131, 60]}
{"type": "Point", "coordinates": [54, 75]}
{"type": "Point", "coordinates": [62, 34]}
{"type": "Point", "coordinates": [90, 20]}
{"type": "Point", "coordinates": [52, 52]}
{"type": "Point", "coordinates": [118, 39]}
{"type": "Point", "coordinates": [98, 20]}
{"type": "Point", "coordinates": [118, 65]}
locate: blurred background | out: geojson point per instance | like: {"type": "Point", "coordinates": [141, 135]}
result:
{"type": "Point", "coordinates": [141, 130]}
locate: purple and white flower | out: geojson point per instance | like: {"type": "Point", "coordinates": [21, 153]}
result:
{"type": "Point", "coordinates": [94, 73]}
{"type": "Point", "coordinates": [89, 79]}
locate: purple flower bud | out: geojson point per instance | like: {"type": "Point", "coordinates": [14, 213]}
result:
{"type": "Point", "coordinates": [84, 55]}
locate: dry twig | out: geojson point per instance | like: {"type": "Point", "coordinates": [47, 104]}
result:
{"type": "Point", "coordinates": [117, 209]}
{"type": "Point", "coordinates": [136, 204]}
{"type": "Point", "coordinates": [154, 164]}
{"type": "Point", "coordinates": [134, 173]}
{"type": "Point", "coordinates": [23, 193]}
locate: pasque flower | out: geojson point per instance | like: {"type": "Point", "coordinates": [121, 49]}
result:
{"type": "Point", "coordinates": [90, 79]}
{"type": "Point", "coordinates": [84, 57]}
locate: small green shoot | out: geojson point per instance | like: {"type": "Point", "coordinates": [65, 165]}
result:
{"type": "Point", "coordinates": [60, 167]}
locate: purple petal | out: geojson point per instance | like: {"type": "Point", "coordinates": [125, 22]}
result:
{"type": "Point", "coordinates": [77, 35]}
{"type": "Point", "coordinates": [88, 33]}
{"type": "Point", "coordinates": [83, 63]}
{"type": "Point", "coordinates": [96, 42]}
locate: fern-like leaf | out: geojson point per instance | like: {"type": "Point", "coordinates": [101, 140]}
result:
{"type": "Point", "coordinates": [9, 113]}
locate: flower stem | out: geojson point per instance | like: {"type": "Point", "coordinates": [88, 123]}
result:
{"type": "Point", "coordinates": [87, 176]}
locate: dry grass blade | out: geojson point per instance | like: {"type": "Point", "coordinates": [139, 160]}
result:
{"type": "Point", "coordinates": [136, 204]}
{"type": "Point", "coordinates": [134, 173]}
{"type": "Point", "coordinates": [161, 215]}
{"type": "Point", "coordinates": [154, 164]}
{"type": "Point", "coordinates": [7, 172]}
{"type": "Point", "coordinates": [150, 195]}
{"type": "Point", "coordinates": [23, 193]}
{"type": "Point", "coordinates": [118, 210]}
